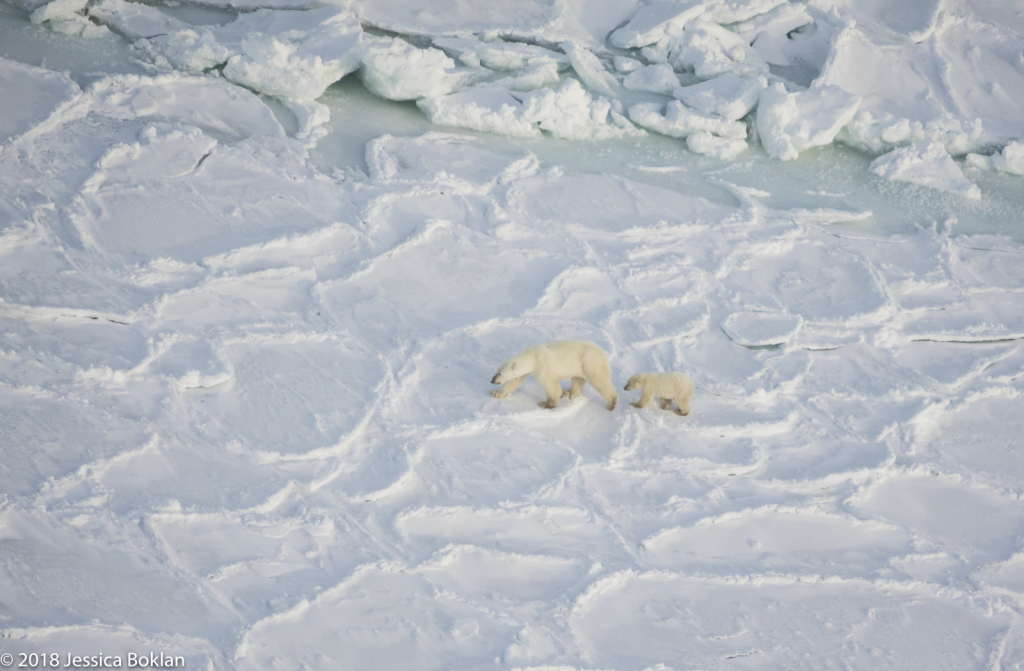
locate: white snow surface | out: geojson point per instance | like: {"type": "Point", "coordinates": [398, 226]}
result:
{"type": "Point", "coordinates": [244, 415]}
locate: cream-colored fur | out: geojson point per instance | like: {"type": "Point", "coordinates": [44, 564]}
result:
{"type": "Point", "coordinates": [548, 363]}
{"type": "Point", "coordinates": [667, 386]}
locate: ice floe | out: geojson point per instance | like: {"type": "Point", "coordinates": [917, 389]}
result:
{"type": "Point", "coordinates": [680, 121]}
{"type": "Point", "coordinates": [925, 163]}
{"type": "Point", "coordinates": [789, 123]}
{"type": "Point", "coordinates": [1010, 159]}
{"type": "Point", "coordinates": [243, 374]}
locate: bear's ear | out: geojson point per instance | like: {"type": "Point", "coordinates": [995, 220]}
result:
{"type": "Point", "coordinates": [514, 366]}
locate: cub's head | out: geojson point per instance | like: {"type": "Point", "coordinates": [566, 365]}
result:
{"type": "Point", "coordinates": [634, 382]}
{"type": "Point", "coordinates": [506, 372]}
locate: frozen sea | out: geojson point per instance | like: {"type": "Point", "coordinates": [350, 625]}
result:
{"type": "Point", "coordinates": [260, 260]}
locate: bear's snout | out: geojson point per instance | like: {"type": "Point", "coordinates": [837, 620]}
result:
{"type": "Point", "coordinates": [494, 380]}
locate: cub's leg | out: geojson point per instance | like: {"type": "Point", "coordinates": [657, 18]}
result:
{"type": "Point", "coordinates": [576, 388]}
{"type": "Point", "coordinates": [552, 389]}
{"type": "Point", "coordinates": [666, 403]}
{"type": "Point", "coordinates": [645, 398]}
{"type": "Point", "coordinates": [507, 388]}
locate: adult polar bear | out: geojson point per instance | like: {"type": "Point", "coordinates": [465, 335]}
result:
{"type": "Point", "coordinates": [550, 362]}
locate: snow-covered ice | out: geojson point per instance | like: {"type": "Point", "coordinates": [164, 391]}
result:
{"type": "Point", "coordinates": [789, 123]}
{"type": "Point", "coordinates": [928, 164]}
{"type": "Point", "coordinates": [250, 314]}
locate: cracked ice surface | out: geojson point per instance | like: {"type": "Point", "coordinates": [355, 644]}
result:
{"type": "Point", "coordinates": [244, 380]}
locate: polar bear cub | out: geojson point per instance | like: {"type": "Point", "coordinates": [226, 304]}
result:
{"type": "Point", "coordinates": [667, 386]}
{"type": "Point", "coordinates": [550, 362]}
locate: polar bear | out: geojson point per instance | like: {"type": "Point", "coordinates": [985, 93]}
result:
{"type": "Point", "coordinates": [668, 386]}
{"type": "Point", "coordinates": [548, 363]}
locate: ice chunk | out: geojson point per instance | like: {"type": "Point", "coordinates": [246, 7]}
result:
{"type": "Point", "coordinates": [535, 77]}
{"type": "Point", "coordinates": [626, 64]}
{"type": "Point", "coordinates": [709, 50]}
{"type": "Point", "coordinates": [734, 11]}
{"type": "Point", "coordinates": [884, 132]}
{"type": "Point", "coordinates": [293, 54]}
{"type": "Point", "coordinates": [489, 109]}
{"type": "Point", "coordinates": [770, 34]}
{"type": "Point", "coordinates": [660, 20]}
{"type": "Point", "coordinates": [728, 96]}
{"type": "Point", "coordinates": [190, 50]}
{"type": "Point", "coordinates": [925, 163]}
{"type": "Point", "coordinates": [680, 121]}
{"type": "Point", "coordinates": [590, 69]}
{"type": "Point", "coordinates": [656, 78]}
{"type": "Point", "coordinates": [703, 142]}
{"type": "Point", "coordinates": [135, 20]}
{"type": "Point", "coordinates": [789, 123]}
{"type": "Point", "coordinates": [654, 22]}
{"type": "Point", "coordinates": [76, 25]}
{"type": "Point", "coordinates": [499, 55]}
{"type": "Point", "coordinates": [396, 70]}
{"type": "Point", "coordinates": [541, 21]}
{"type": "Point", "coordinates": [58, 9]}
{"type": "Point", "coordinates": [571, 113]}
{"type": "Point", "coordinates": [1010, 160]}
{"type": "Point", "coordinates": [312, 118]}
{"type": "Point", "coordinates": [275, 68]}
{"type": "Point", "coordinates": [980, 78]}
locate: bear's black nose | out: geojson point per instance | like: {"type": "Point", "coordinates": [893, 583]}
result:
{"type": "Point", "coordinates": [494, 380]}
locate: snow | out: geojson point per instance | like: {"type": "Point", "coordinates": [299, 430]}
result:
{"type": "Point", "coordinates": [41, 93]}
{"type": "Point", "coordinates": [252, 296]}
{"type": "Point", "coordinates": [928, 164]}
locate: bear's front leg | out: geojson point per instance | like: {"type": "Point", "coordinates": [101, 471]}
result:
{"type": "Point", "coordinates": [666, 403]}
{"type": "Point", "coordinates": [507, 388]}
{"type": "Point", "coordinates": [684, 407]}
{"type": "Point", "coordinates": [645, 398]}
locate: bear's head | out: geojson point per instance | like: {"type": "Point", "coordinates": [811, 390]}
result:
{"type": "Point", "coordinates": [506, 372]}
{"type": "Point", "coordinates": [633, 382]}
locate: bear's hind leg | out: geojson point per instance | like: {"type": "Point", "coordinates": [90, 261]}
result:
{"type": "Point", "coordinates": [552, 389]}
{"type": "Point", "coordinates": [576, 388]}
